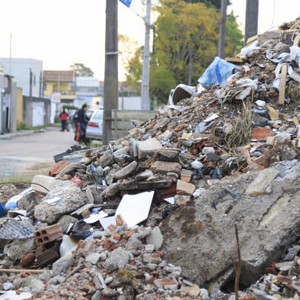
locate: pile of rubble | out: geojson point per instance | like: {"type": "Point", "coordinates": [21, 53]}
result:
{"type": "Point", "coordinates": [164, 212]}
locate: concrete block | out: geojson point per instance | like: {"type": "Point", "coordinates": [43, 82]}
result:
{"type": "Point", "coordinates": [165, 167]}
{"type": "Point", "coordinates": [185, 187]}
{"type": "Point", "coordinates": [43, 184]}
{"type": "Point", "coordinates": [148, 147]}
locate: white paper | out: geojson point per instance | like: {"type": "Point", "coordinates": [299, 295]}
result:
{"type": "Point", "coordinates": [135, 208]}
{"type": "Point", "coordinates": [93, 218]}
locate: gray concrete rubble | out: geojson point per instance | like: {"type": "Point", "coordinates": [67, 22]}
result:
{"type": "Point", "coordinates": [165, 211]}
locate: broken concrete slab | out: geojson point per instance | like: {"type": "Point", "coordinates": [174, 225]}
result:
{"type": "Point", "coordinates": [261, 184]}
{"type": "Point", "coordinates": [65, 198]}
{"type": "Point", "coordinates": [265, 224]}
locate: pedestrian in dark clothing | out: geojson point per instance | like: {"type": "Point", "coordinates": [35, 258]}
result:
{"type": "Point", "coordinates": [63, 116]}
{"type": "Point", "coordinates": [80, 121]}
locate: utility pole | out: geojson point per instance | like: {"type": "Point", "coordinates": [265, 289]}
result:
{"type": "Point", "coordinates": [111, 67]}
{"type": "Point", "coordinates": [222, 30]}
{"type": "Point", "coordinates": [190, 67]}
{"type": "Point", "coordinates": [251, 19]}
{"type": "Point", "coordinates": [146, 59]}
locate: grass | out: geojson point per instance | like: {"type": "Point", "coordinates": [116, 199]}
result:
{"type": "Point", "coordinates": [28, 174]}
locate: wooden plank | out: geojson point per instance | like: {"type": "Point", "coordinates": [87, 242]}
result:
{"type": "Point", "coordinates": [297, 40]}
{"type": "Point", "coordinates": [282, 84]}
{"type": "Point", "coordinates": [133, 114]}
{"type": "Point", "coordinates": [34, 271]}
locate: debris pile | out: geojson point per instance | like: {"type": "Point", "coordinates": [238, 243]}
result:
{"type": "Point", "coordinates": [152, 215]}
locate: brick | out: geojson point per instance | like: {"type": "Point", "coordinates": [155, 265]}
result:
{"type": "Point", "coordinates": [119, 220]}
{"type": "Point", "coordinates": [186, 175]}
{"type": "Point", "coordinates": [185, 187]}
{"type": "Point", "coordinates": [165, 167]}
{"type": "Point", "coordinates": [48, 234]}
{"type": "Point", "coordinates": [260, 133]}
{"type": "Point", "coordinates": [57, 167]}
{"type": "Point", "coordinates": [48, 256]}
{"type": "Point", "coordinates": [166, 283]}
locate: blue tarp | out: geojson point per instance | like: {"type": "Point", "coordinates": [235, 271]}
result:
{"type": "Point", "coordinates": [217, 72]}
{"type": "Point", "coordinates": [126, 2]}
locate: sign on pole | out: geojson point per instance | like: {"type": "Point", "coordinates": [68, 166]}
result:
{"type": "Point", "coordinates": [126, 2]}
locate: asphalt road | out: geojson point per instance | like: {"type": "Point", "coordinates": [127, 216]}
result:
{"type": "Point", "coordinates": [29, 154]}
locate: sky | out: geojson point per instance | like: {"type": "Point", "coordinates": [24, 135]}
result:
{"type": "Point", "coordinates": [64, 32]}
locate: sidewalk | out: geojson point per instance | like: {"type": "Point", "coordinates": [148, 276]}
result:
{"type": "Point", "coordinates": [10, 135]}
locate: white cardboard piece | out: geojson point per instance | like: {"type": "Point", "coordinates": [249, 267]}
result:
{"type": "Point", "coordinates": [135, 208]}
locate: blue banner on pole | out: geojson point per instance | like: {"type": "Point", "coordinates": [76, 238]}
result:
{"type": "Point", "coordinates": [126, 2]}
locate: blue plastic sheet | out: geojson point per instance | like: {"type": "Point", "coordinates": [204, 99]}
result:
{"type": "Point", "coordinates": [216, 73]}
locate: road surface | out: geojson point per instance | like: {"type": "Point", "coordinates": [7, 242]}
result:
{"type": "Point", "coordinates": [30, 154]}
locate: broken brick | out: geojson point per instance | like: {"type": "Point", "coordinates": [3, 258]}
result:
{"type": "Point", "coordinates": [48, 234]}
{"type": "Point", "coordinates": [57, 168]}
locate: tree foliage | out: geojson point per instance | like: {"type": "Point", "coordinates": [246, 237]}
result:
{"type": "Point", "coordinates": [184, 29]}
{"type": "Point", "coordinates": [209, 3]}
{"type": "Point", "coordinates": [81, 70]}
{"type": "Point", "coordinates": [130, 59]}
{"type": "Point", "coordinates": [135, 69]}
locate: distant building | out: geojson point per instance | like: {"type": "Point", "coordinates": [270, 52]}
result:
{"type": "Point", "coordinates": [59, 86]}
{"type": "Point", "coordinates": [88, 91]}
{"type": "Point", "coordinates": [27, 73]}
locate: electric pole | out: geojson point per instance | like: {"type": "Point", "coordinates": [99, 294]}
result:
{"type": "Point", "coordinates": [251, 19]}
{"type": "Point", "coordinates": [222, 31]}
{"type": "Point", "coordinates": [111, 67]}
{"type": "Point", "coordinates": [146, 59]}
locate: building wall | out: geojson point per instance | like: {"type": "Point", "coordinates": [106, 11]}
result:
{"type": "Point", "coordinates": [36, 111]}
{"type": "Point", "coordinates": [26, 72]}
{"type": "Point", "coordinates": [8, 92]}
{"type": "Point", "coordinates": [19, 110]}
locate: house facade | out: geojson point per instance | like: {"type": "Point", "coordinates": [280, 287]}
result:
{"type": "Point", "coordinates": [88, 91]}
{"type": "Point", "coordinates": [27, 73]}
{"type": "Point", "coordinates": [8, 103]}
{"type": "Point", "coordinates": [59, 87]}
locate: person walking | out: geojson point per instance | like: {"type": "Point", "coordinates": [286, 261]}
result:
{"type": "Point", "coordinates": [63, 116]}
{"type": "Point", "coordinates": [80, 121]}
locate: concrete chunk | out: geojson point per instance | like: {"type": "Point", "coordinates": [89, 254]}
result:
{"type": "Point", "coordinates": [185, 187]}
{"type": "Point", "coordinates": [261, 182]}
{"type": "Point", "coordinates": [148, 147]}
{"type": "Point", "coordinates": [165, 167]}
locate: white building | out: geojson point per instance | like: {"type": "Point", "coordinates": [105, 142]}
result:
{"type": "Point", "coordinates": [87, 91]}
{"type": "Point", "coordinates": [27, 72]}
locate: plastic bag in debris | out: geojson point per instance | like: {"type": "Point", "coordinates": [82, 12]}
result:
{"type": "Point", "coordinates": [217, 72]}
{"type": "Point", "coordinates": [244, 52]}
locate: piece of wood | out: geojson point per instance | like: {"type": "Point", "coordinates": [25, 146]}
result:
{"type": "Point", "coordinates": [282, 84]}
{"type": "Point", "coordinates": [297, 40]}
{"type": "Point", "coordinates": [34, 271]}
{"type": "Point", "coordinates": [251, 39]}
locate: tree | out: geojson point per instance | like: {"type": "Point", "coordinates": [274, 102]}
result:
{"type": "Point", "coordinates": [81, 70]}
{"type": "Point", "coordinates": [130, 59]}
{"type": "Point", "coordinates": [181, 29]}
{"type": "Point", "coordinates": [135, 69]}
{"type": "Point", "coordinates": [234, 40]}
{"type": "Point", "coordinates": [209, 3]}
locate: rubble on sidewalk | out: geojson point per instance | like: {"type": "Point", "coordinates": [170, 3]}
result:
{"type": "Point", "coordinates": [152, 215]}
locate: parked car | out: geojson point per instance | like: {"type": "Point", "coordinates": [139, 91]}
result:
{"type": "Point", "coordinates": [94, 130]}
